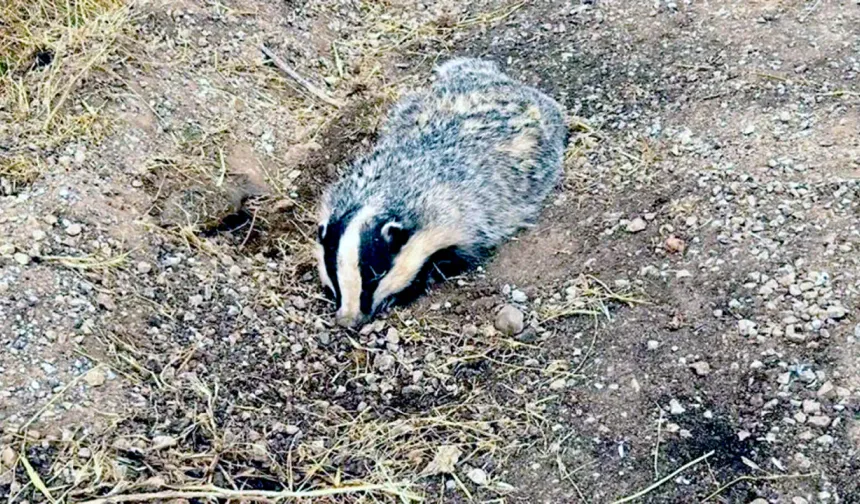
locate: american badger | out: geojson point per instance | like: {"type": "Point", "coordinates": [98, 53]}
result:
{"type": "Point", "coordinates": [457, 169]}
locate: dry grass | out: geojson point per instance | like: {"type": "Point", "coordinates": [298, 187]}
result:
{"type": "Point", "coordinates": [48, 51]}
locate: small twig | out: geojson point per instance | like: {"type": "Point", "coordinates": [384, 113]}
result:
{"type": "Point", "coordinates": [250, 229]}
{"type": "Point", "coordinates": [317, 92]}
{"type": "Point", "coordinates": [658, 484]}
{"type": "Point", "coordinates": [211, 492]}
{"type": "Point", "coordinates": [657, 446]}
{"type": "Point", "coordinates": [755, 478]}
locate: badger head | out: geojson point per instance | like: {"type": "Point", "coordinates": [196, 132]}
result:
{"type": "Point", "coordinates": [370, 258]}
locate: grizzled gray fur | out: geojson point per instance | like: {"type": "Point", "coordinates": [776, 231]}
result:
{"type": "Point", "coordinates": [459, 167]}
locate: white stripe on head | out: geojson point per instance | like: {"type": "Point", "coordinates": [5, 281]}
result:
{"type": "Point", "coordinates": [412, 257]}
{"type": "Point", "coordinates": [324, 214]}
{"type": "Point", "coordinates": [348, 271]}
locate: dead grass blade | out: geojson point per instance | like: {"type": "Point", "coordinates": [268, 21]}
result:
{"type": "Point", "coordinates": [213, 492]}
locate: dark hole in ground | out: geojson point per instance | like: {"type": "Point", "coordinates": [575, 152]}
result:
{"type": "Point", "coordinates": [717, 435]}
{"type": "Point", "coordinates": [42, 58]}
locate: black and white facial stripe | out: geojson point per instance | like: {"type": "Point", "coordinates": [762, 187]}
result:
{"type": "Point", "coordinates": [356, 252]}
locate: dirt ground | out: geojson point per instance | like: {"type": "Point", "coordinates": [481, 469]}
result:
{"type": "Point", "coordinates": [690, 292]}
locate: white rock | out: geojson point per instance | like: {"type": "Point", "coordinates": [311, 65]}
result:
{"type": "Point", "coordinates": [74, 229]}
{"type": "Point", "coordinates": [836, 312]}
{"type": "Point", "coordinates": [478, 476]}
{"type": "Point", "coordinates": [701, 368]}
{"type": "Point", "coordinates": [21, 258]}
{"type": "Point", "coordinates": [636, 225]}
{"type": "Point", "coordinates": [519, 296]}
{"type": "Point", "coordinates": [675, 407]}
{"type": "Point", "coordinates": [819, 420]}
{"type": "Point", "coordinates": [811, 407]}
{"type": "Point", "coordinates": [95, 378]}
{"type": "Point", "coordinates": [746, 327]}
{"type": "Point", "coordinates": [826, 389]}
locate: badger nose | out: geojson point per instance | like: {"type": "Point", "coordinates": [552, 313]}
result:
{"type": "Point", "coordinates": [345, 321]}
{"type": "Point", "coordinates": [349, 320]}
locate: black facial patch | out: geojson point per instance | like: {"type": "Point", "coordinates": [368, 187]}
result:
{"type": "Point", "coordinates": [330, 241]}
{"type": "Point", "coordinates": [376, 257]}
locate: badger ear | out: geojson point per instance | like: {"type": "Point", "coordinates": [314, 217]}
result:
{"type": "Point", "coordinates": [395, 233]}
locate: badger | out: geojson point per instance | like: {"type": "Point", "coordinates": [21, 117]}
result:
{"type": "Point", "coordinates": [456, 170]}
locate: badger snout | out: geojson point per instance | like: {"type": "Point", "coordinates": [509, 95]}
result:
{"type": "Point", "coordinates": [350, 320]}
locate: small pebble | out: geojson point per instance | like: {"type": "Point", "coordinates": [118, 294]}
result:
{"type": "Point", "coordinates": [636, 225]}
{"type": "Point", "coordinates": [510, 320]}
{"type": "Point", "coordinates": [478, 476]}
{"type": "Point", "coordinates": [74, 229]}
{"type": "Point", "coordinates": [675, 407]}
{"type": "Point", "coordinates": [701, 368]}
{"type": "Point", "coordinates": [95, 378]}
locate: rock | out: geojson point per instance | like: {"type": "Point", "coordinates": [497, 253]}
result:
{"type": "Point", "coordinates": [819, 420]}
{"type": "Point", "coordinates": [746, 327]}
{"type": "Point", "coordinates": [383, 362]}
{"type": "Point", "coordinates": [144, 267]}
{"type": "Point", "coordinates": [510, 320]}
{"type": "Point", "coordinates": [653, 344]}
{"type": "Point", "coordinates": [74, 229]}
{"type": "Point", "coordinates": [95, 378]}
{"type": "Point", "coordinates": [21, 258]}
{"type": "Point", "coordinates": [478, 476]}
{"type": "Point", "coordinates": [392, 337]}
{"type": "Point", "coordinates": [7, 249]}
{"type": "Point", "coordinates": [747, 131]}
{"type": "Point", "coordinates": [636, 225]}
{"type": "Point", "coordinates": [292, 430]}
{"type": "Point", "coordinates": [799, 500]}
{"type": "Point", "coordinates": [836, 312]}
{"type": "Point", "coordinates": [8, 457]}
{"type": "Point", "coordinates": [759, 501]}
{"type": "Point", "coordinates": [106, 302]}
{"type": "Point", "coordinates": [792, 334]}
{"type": "Point", "coordinates": [826, 389]}
{"type": "Point", "coordinates": [811, 407]}
{"type": "Point", "coordinates": [675, 245]}
{"type": "Point", "coordinates": [701, 368]}
{"type": "Point", "coordinates": [675, 407]}
{"type": "Point", "coordinates": [826, 439]}
{"type": "Point", "coordinates": [519, 297]}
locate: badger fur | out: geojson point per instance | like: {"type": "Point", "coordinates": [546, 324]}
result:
{"type": "Point", "coordinates": [457, 169]}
